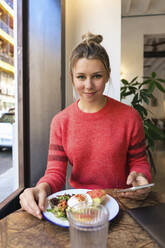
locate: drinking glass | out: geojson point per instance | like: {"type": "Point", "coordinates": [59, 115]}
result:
{"type": "Point", "coordinates": [88, 226]}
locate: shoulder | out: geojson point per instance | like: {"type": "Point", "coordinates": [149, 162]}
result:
{"type": "Point", "coordinates": [123, 110]}
{"type": "Point", "coordinates": [64, 114]}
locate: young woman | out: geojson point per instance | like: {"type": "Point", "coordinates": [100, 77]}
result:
{"type": "Point", "coordinates": [102, 138]}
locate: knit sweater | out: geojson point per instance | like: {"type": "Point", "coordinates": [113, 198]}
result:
{"type": "Point", "coordinates": [102, 147]}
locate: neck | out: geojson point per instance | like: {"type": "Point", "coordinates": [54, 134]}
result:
{"type": "Point", "coordinates": [92, 107]}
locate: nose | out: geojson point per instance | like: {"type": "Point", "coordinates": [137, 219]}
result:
{"type": "Point", "coordinates": [88, 83]}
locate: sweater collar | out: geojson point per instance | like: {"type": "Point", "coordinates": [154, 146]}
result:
{"type": "Point", "coordinates": [92, 116]}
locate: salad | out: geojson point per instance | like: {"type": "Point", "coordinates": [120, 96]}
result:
{"type": "Point", "coordinates": [60, 204]}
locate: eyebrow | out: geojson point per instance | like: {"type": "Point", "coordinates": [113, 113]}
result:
{"type": "Point", "coordinates": [92, 73]}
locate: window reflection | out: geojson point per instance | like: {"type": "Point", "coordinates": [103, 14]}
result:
{"type": "Point", "coordinates": [8, 150]}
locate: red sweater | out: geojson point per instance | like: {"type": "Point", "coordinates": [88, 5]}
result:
{"type": "Point", "coordinates": [102, 147]}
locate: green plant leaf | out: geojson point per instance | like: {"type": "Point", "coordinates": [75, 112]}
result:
{"type": "Point", "coordinates": [122, 94]}
{"type": "Point", "coordinates": [133, 80]}
{"type": "Point", "coordinates": [123, 86]}
{"type": "Point", "coordinates": [144, 82]}
{"type": "Point", "coordinates": [154, 74]}
{"type": "Point", "coordinates": [154, 135]}
{"type": "Point", "coordinates": [134, 84]}
{"type": "Point", "coordinates": [160, 87]}
{"type": "Point", "coordinates": [127, 93]}
{"type": "Point", "coordinates": [151, 160]}
{"type": "Point", "coordinates": [135, 99]}
{"type": "Point", "coordinates": [151, 87]}
{"type": "Point", "coordinates": [146, 93]}
{"type": "Point", "coordinates": [146, 121]}
{"type": "Point", "coordinates": [123, 89]}
{"type": "Point", "coordinates": [140, 95]}
{"type": "Point", "coordinates": [124, 81]}
{"type": "Point", "coordinates": [161, 80]}
{"type": "Point", "coordinates": [144, 97]}
{"type": "Point", "coordinates": [155, 131]}
{"type": "Point", "coordinates": [132, 88]}
{"type": "Point", "coordinates": [140, 109]}
{"type": "Point", "coordinates": [150, 140]}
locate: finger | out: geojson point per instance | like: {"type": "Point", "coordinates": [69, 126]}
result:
{"type": "Point", "coordinates": [29, 204]}
{"type": "Point", "coordinates": [141, 180]}
{"type": "Point", "coordinates": [42, 201]}
{"type": "Point", "coordinates": [139, 196]}
{"type": "Point", "coordinates": [131, 177]}
{"type": "Point", "coordinates": [31, 210]}
{"type": "Point", "coordinates": [136, 195]}
{"type": "Point", "coordinates": [143, 191]}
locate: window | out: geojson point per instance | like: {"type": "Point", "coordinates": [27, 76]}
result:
{"type": "Point", "coordinates": [11, 101]}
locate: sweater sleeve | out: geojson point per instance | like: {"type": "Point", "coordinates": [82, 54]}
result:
{"type": "Point", "coordinates": [55, 174]}
{"type": "Point", "coordinates": [137, 158]}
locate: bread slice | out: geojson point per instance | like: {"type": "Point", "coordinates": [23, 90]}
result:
{"type": "Point", "coordinates": [97, 195]}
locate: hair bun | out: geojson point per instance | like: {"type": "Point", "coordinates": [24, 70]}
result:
{"type": "Point", "coordinates": [89, 37]}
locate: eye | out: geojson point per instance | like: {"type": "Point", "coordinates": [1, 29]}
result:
{"type": "Point", "coordinates": [81, 77]}
{"type": "Point", "coordinates": [98, 76]}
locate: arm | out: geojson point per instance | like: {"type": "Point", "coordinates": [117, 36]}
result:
{"type": "Point", "coordinates": [137, 159]}
{"type": "Point", "coordinates": [55, 174]}
{"type": "Point", "coordinates": [139, 168]}
{"type": "Point", "coordinates": [33, 200]}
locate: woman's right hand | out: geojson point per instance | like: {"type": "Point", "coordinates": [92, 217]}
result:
{"type": "Point", "coordinates": [33, 200]}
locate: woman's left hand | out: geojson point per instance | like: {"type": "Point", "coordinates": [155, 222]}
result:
{"type": "Point", "coordinates": [136, 179]}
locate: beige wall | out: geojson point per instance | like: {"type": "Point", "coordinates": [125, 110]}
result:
{"type": "Point", "coordinates": [132, 33]}
{"type": "Point", "coordinates": [100, 17]}
{"type": "Point", "coordinates": [132, 43]}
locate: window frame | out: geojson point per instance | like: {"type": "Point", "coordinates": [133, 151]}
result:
{"type": "Point", "coordinates": [21, 20]}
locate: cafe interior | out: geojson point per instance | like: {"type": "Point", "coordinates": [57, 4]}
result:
{"type": "Point", "coordinates": [39, 37]}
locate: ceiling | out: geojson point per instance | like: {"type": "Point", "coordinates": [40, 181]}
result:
{"type": "Point", "coordinates": [142, 7]}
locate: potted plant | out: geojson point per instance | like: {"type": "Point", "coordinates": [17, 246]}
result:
{"type": "Point", "coordinates": [142, 94]}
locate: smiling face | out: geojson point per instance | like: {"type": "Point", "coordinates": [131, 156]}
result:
{"type": "Point", "coordinates": [89, 78]}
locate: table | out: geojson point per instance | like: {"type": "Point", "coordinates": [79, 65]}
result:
{"type": "Point", "coordinates": [21, 230]}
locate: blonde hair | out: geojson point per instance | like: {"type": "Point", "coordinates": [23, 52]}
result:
{"type": "Point", "coordinates": [90, 48]}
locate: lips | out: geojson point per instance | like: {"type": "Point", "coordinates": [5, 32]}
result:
{"type": "Point", "coordinates": [89, 93]}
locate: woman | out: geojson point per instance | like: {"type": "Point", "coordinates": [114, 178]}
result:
{"type": "Point", "coordinates": [102, 138]}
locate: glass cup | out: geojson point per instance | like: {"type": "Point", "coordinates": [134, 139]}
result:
{"type": "Point", "coordinates": [88, 226]}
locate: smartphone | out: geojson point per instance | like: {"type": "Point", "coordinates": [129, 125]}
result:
{"type": "Point", "coordinates": [136, 187]}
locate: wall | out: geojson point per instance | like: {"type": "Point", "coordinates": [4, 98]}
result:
{"type": "Point", "coordinates": [99, 17]}
{"type": "Point", "coordinates": [132, 34]}
{"type": "Point", "coordinates": [44, 78]}
{"type": "Point", "coordinates": [132, 44]}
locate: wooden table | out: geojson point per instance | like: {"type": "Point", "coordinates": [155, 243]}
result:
{"type": "Point", "coordinates": [21, 230]}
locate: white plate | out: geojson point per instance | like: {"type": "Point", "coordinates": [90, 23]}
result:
{"type": "Point", "coordinates": [109, 202]}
